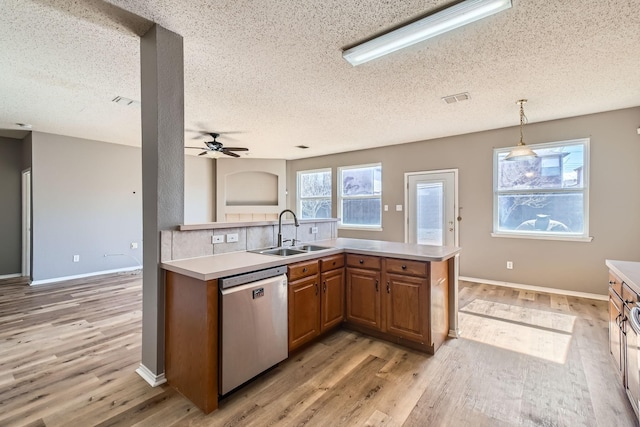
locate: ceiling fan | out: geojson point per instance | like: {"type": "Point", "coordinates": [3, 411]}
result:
{"type": "Point", "coordinates": [218, 147]}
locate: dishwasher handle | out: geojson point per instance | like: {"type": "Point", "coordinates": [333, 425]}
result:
{"type": "Point", "coordinates": [633, 317]}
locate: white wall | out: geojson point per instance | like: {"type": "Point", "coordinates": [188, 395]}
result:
{"type": "Point", "coordinates": [87, 201]}
{"type": "Point", "coordinates": [199, 190]}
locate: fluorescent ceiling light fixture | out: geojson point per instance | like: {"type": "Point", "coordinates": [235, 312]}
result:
{"type": "Point", "coordinates": [448, 19]}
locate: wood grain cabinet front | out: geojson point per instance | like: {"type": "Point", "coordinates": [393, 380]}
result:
{"type": "Point", "coordinates": [400, 300]}
{"type": "Point", "coordinates": [332, 292]}
{"type": "Point", "coordinates": [316, 298]}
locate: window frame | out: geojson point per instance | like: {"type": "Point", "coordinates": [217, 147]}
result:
{"type": "Point", "coordinates": [521, 234]}
{"type": "Point", "coordinates": [340, 198]}
{"type": "Point", "coordinates": [300, 198]}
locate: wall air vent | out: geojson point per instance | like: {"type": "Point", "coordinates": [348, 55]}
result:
{"type": "Point", "coordinates": [304, 147]}
{"type": "Point", "coordinates": [452, 99]}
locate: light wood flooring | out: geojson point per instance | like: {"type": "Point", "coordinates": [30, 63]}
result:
{"type": "Point", "coordinates": [68, 353]}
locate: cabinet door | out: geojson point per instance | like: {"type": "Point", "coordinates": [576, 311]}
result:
{"type": "Point", "coordinates": [304, 311]}
{"type": "Point", "coordinates": [363, 297]}
{"type": "Point", "coordinates": [407, 307]}
{"type": "Point", "coordinates": [615, 334]}
{"type": "Point", "coordinates": [332, 304]}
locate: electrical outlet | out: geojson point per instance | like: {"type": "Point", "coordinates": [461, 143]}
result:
{"type": "Point", "coordinates": [398, 208]}
{"type": "Point", "coordinates": [134, 245]}
{"type": "Point", "coordinates": [218, 238]}
{"type": "Point", "coordinates": [231, 238]}
{"type": "Point", "coordinates": [76, 258]}
{"type": "Point", "coordinates": [314, 230]}
{"type": "Point", "coordinates": [509, 265]}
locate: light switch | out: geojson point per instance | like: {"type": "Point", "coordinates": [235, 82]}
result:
{"type": "Point", "coordinates": [386, 208]}
{"type": "Point", "coordinates": [398, 208]}
{"type": "Point", "coordinates": [76, 258]}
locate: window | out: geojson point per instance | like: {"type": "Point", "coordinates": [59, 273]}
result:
{"type": "Point", "coordinates": [314, 193]}
{"type": "Point", "coordinates": [360, 196]}
{"type": "Point", "coordinates": [543, 197]}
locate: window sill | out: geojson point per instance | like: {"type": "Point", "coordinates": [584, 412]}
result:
{"type": "Point", "coordinates": [544, 237]}
{"type": "Point", "coordinates": [351, 227]}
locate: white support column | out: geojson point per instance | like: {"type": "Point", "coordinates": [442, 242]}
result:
{"type": "Point", "coordinates": [162, 84]}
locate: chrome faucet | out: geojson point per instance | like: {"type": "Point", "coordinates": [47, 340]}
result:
{"type": "Point", "coordinates": [295, 219]}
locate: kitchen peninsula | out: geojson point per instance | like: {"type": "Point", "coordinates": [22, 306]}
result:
{"type": "Point", "coordinates": [404, 293]}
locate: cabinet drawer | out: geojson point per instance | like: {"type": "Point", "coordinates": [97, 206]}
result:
{"type": "Point", "coordinates": [615, 300]}
{"type": "Point", "coordinates": [403, 266]}
{"type": "Point", "coordinates": [303, 269]}
{"type": "Point", "coordinates": [628, 294]}
{"type": "Point", "coordinates": [331, 262]}
{"type": "Point", "coordinates": [615, 283]}
{"type": "Point", "coordinates": [363, 261]}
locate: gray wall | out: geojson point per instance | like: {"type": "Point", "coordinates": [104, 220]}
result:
{"type": "Point", "coordinates": [86, 201]}
{"type": "Point", "coordinates": [11, 210]}
{"type": "Point", "coordinates": [199, 190]}
{"type": "Point", "coordinates": [575, 266]}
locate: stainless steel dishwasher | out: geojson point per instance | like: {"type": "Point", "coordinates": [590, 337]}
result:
{"type": "Point", "coordinates": [253, 325]}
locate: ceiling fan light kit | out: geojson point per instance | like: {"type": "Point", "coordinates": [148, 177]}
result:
{"type": "Point", "coordinates": [218, 147]}
{"type": "Point", "coordinates": [521, 151]}
{"type": "Point", "coordinates": [448, 19]}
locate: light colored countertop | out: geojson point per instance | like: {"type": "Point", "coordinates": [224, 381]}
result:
{"type": "Point", "coordinates": [628, 271]}
{"type": "Point", "coordinates": [216, 266]}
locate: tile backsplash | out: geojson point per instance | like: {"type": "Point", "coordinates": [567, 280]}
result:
{"type": "Point", "coordinates": [180, 244]}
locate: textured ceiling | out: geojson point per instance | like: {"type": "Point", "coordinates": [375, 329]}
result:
{"type": "Point", "coordinates": [273, 70]}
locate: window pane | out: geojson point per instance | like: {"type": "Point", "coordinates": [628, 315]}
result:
{"type": "Point", "coordinates": [542, 212]}
{"type": "Point", "coordinates": [315, 184]}
{"type": "Point", "coordinates": [554, 168]}
{"type": "Point", "coordinates": [315, 208]}
{"type": "Point", "coordinates": [430, 222]}
{"type": "Point", "coordinates": [362, 181]}
{"type": "Point", "coordinates": [361, 212]}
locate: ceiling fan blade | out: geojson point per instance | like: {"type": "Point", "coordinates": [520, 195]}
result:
{"type": "Point", "coordinates": [229, 153]}
{"type": "Point", "coordinates": [236, 149]}
{"type": "Point", "coordinates": [197, 148]}
{"type": "Point", "coordinates": [203, 153]}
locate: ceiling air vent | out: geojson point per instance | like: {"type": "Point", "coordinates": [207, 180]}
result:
{"type": "Point", "coordinates": [125, 101]}
{"type": "Point", "coordinates": [452, 99]}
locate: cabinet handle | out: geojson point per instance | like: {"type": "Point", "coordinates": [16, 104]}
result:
{"type": "Point", "coordinates": [617, 320]}
{"type": "Point", "coordinates": [324, 286]}
{"type": "Point", "coordinates": [304, 269]}
{"type": "Point", "coordinates": [404, 267]}
{"type": "Point", "coordinates": [388, 287]}
{"type": "Point", "coordinates": [612, 282]}
{"type": "Point", "coordinates": [361, 261]}
{"type": "Point", "coordinates": [334, 263]}
{"type": "Point", "coordinates": [316, 285]}
{"type": "Point", "coordinates": [376, 286]}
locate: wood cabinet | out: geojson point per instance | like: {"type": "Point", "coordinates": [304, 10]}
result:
{"type": "Point", "coordinates": [316, 298]}
{"type": "Point", "coordinates": [191, 339]}
{"type": "Point", "coordinates": [623, 337]}
{"type": "Point", "coordinates": [332, 292]}
{"type": "Point", "coordinates": [615, 331]}
{"type": "Point", "coordinates": [404, 301]}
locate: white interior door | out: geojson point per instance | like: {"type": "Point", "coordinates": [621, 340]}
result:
{"type": "Point", "coordinates": [26, 223]}
{"type": "Point", "coordinates": [431, 201]}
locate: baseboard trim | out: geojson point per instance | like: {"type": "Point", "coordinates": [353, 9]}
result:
{"type": "Point", "coordinates": [10, 276]}
{"type": "Point", "coordinates": [81, 276]}
{"type": "Point", "coordinates": [537, 288]}
{"type": "Point", "coordinates": [153, 379]}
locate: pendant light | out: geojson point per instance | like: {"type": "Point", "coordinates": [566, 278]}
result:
{"type": "Point", "coordinates": [521, 151]}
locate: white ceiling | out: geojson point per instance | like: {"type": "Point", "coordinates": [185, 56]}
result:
{"type": "Point", "coordinates": [273, 69]}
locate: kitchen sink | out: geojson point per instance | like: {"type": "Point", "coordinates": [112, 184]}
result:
{"type": "Point", "coordinates": [280, 251]}
{"type": "Point", "coordinates": [291, 250]}
{"type": "Point", "coordinates": [310, 248]}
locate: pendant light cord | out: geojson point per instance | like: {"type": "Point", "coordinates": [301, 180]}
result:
{"type": "Point", "coordinates": [523, 120]}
